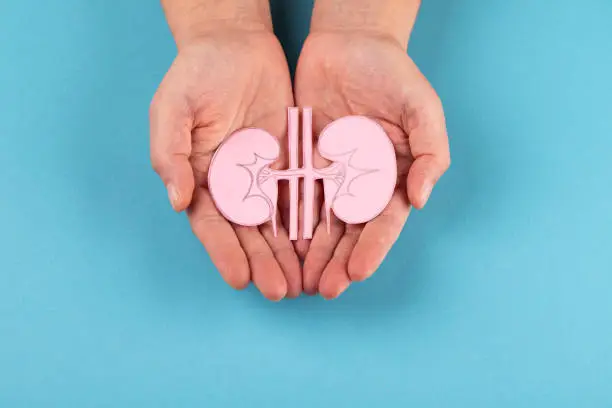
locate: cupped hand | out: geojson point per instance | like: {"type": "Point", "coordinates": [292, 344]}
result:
{"type": "Point", "coordinates": [353, 73]}
{"type": "Point", "coordinates": [221, 82]}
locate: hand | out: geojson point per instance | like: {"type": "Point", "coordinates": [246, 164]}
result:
{"type": "Point", "coordinates": [222, 81]}
{"type": "Point", "coordinates": [365, 73]}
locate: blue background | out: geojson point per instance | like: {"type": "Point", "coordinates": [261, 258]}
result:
{"type": "Point", "coordinates": [499, 294]}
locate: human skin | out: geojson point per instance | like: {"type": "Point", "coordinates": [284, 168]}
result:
{"type": "Point", "coordinates": [354, 62]}
{"type": "Point", "coordinates": [230, 73]}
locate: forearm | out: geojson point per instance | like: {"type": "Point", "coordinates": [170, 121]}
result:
{"type": "Point", "coordinates": [394, 18]}
{"type": "Point", "coordinates": [189, 19]}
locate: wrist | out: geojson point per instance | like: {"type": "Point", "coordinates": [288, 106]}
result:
{"type": "Point", "coordinates": [393, 19]}
{"type": "Point", "coordinates": [192, 19]}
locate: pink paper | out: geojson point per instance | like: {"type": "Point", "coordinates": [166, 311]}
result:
{"type": "Point", "coordinates": [357, 185]}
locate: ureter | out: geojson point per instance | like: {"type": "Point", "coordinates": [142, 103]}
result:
{"type": "Point", "coordinates": [309, 180]}
{"type": "Point", "coordinates": [293, 128]}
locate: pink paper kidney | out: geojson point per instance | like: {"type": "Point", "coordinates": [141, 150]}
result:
{"type": "Point", "coordinates": [237, 181]}
{"type": "Point", "coordinates": [362, 149]}
{"type": "Point", "coordinates": [357, 185]}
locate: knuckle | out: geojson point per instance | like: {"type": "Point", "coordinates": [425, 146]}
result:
{"type": "Point", "coordinates": [436, 101]}
{"type": "Point", "coordinates": [257, 254]}
{"type": "Point", "coordinates": [156, 160]}
{"type": "Point", "coordinates": [445, 162]}
{"type": "Point", "coordinates": [154, 106]}
{"type": "Point", "coordinates": [204, 222]}
{"type": "Point", "coordinates": [388, 220]}
{"type": "Point", "coordinates": [435, 113]}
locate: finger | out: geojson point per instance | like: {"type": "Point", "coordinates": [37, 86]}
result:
{"type": "Point", "coordinates": [285, 256]}
{"type": "Point", "coordinates": [377, 238]}
{"type": "Point", "coordinates": [335, 278]}
{"type": "Point", "coordinates": [426, 130]}
{"type": "Point", "coordinates": [171, 124]}
{"type": "Point", "coordinates": [423, 175]}
{"type": "Point", "coordinates": [219, 239]}
{"type": "Point", "coordinates": [320, 252]}
{"type": "Point", "coordinates": [266, 273]}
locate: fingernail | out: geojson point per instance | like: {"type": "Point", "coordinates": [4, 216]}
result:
{"type": "Point", "coordinates": [173, 195]}
{"type": "Point", "coordinates": [426, 192]}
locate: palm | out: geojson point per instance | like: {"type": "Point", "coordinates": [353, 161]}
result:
{"type": "Point", "coordinates": [340, 75]}
{"type": "Point", "coordinates": [222, 84]}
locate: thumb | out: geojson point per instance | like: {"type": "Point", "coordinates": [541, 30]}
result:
{"type": "Point", "coordinates": [171, 125]}
{"type": "Point", "coordinates": [424, 173]}
{"type": "Point", "coordinates": [428, 142]}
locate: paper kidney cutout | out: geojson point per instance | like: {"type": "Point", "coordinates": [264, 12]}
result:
{"type": "Point", "coordinates": [367, 157]}
{"type": "Point", "coordinates": [238, 195]}
{"type": "Point", "coordinates": [357, 185]}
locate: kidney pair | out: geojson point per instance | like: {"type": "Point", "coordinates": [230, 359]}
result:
{"type": "Point", "coordinates": [357, 185]}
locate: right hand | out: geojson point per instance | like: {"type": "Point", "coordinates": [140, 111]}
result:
{"type": "Point", "coordinates": [221, 82]}
{"type": "Point", "coordinates": [360, 73]}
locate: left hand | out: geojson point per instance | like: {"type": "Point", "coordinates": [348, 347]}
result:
{"type": "Point", "coordinates": [220, 82]}
{"type": "Point", "coordinates": [363, 73]}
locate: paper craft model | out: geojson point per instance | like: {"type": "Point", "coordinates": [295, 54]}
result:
{"type": "Point", "coordinates": [357, 185]}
